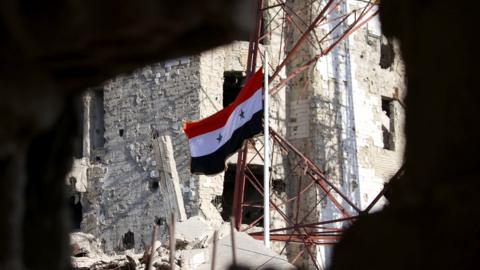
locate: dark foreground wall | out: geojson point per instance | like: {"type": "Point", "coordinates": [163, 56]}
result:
{"type": "Point", "coordinates": [50, 51]}
{"type": "Point", "coordinates": [433, 220]}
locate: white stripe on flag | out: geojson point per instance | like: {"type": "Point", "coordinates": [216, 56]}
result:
{"type": "Point", "coordinates": [210, 142]}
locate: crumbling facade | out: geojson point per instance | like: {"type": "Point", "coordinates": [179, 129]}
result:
{"type": "Point", "coordinates": [346, 114]}
{"type": "Point", "coordinates": [121, 178]}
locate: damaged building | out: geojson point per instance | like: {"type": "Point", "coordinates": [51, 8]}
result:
{"type": "Point", "coordinates": [131, 169]}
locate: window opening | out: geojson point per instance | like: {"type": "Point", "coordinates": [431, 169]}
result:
{"type": "Point", "coordinates": [233, 82]}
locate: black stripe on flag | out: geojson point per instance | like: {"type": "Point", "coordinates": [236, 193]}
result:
{"type": "Point", "coordinates": [216, 162]}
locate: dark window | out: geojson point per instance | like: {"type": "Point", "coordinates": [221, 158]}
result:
{"type": "Point", "coordinates": [232, 84]}
{"type": "Point", "coordinates": [153, 186]}
{"type": "Point", "coordinates": [160, 221]}
{"type": "Point", "coordinates": [278, 185]}
{"type": "Point", "coordinates": [252, 197]}
{"type": "Point", "coordinates": [387, 54]}
{"type": "Point", "coordinates": [128, 240]}
{"type": "Point", "coordinates": [97, 123]}
{"type": "Point", "coordinates": [388, 125]}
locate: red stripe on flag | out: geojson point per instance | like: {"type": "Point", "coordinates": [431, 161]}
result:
{"type": "Point", "coordinates": [219, 119]}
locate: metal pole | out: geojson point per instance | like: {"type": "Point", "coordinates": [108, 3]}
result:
{"type": "Point", "coordinates": [266, 156]}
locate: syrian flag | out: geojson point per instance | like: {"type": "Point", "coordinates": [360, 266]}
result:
{"type": "Point", "coordinates": [213, 139]}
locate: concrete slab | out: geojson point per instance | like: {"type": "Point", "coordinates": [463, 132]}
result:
{"type": "Point", "coordinates": [250, 253]}
{"type": "Point", "coordinates": [193, 233]}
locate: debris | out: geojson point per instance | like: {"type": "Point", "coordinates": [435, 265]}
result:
{"type": "Point", "coordinates": [195, 241]}
{"type": "Point", "coordinates": [131, 261]}
{"type": "Point", "coordinates": [77, 251]}
{"type": "Point", "coordinates": [156, 253]}
{"type": "Point", "coordinates": [193, 258]}
{"type": "Point", "coordinates": [193, 233]}
{"type": "Point", "coordinates": [119, 262]}
{"type": "Point", "coordinates": [250, 253]}
{"type": "Point", "coordinates": [162, 266]}
{"type": "Point", "coordinates": [85, 245]}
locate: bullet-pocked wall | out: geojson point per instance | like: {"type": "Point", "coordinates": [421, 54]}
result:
{"type": "Point", "coordinates": [378, 92]}
{"type": "Point", "coordinates": [345, 113]}
{"type": "Point", "coordinates": [123, 199]}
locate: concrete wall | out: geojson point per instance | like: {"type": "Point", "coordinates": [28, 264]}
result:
{"type": "Point", "coordinates": [335, 115]}
{"type": "Point", "coordinates": [370, 83]}
{"type": "Point", "coordinates": [139, 107]}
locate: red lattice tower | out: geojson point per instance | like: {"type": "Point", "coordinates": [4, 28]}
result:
{"type": "Point", "coordinates": [297, 230]}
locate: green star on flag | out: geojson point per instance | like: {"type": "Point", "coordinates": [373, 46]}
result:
{"type": "Point", "coordinates": [219, 138]}
{"type": "Point", "coordinates": [242, 114]}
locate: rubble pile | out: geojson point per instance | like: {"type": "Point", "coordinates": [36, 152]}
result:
{"type": "Point", "coordinates": [194, 245]}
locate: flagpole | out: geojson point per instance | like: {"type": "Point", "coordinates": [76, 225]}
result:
{"type": "Point", "coordinates": [266, 156]}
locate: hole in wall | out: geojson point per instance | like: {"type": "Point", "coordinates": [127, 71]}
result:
{"type": "Point", "coordinates": [121, 132]}
{"type": "Point", "coordinates": [155, 134]}
{"type": "Point", "coordinates": [252, 197]}
{"type": "Point", "coordinates": [217, 202]}
{"type": "Point", "coordinates": [278, 185]}
{"type": "Point", "coordinates": [160, 221]}
{"type": "Point", "coordinates": [128, 240]}
{"type": "Point", "coordinates": [388, 124]}
{"type": "Point", "coordinates": [233, 82]}
{"type": "Point", "coordinates": [97, 119]}
{"type": "Point", "coordinates": [387, 53]}
{"type": "Point", "coordinates": [153, 186]}
{"type": "Point", "coordinates": [96, 126]}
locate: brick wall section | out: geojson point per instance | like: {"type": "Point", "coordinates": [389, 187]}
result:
{"type": "Point", "coordinates": [152, 100]}
{"type": "Point", "coordinates": [370, 83]}
{"type": "Point", "coordinates": [156, 100]}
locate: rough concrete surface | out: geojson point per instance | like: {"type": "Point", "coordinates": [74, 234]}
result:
{"type": "Point", "coordinates": [86, 242]}
{"type": "Point", "coordinates": [193, 233]}
{"type": "Point", "coordinates": [250, 253]}
{"type": "Point", "coordinates": [194, 249]}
